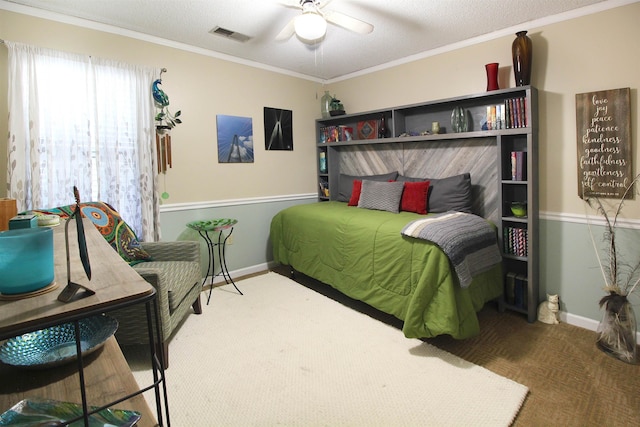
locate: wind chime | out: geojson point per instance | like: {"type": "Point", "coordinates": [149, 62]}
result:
{"type": "Point", "coordinates": [163, 149]}
{"type": "Point", "coordinates": [165, 122]}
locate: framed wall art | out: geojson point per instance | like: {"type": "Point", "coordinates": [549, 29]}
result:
{"type": "Point", "coordinates": [278, 129]}
{"type": "Point", "coordinates": [235, 139]}
{"type": "Point", "coordinates": [603, 121]}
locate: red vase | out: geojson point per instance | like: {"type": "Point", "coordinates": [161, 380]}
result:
{"type": "Point", "coordinates": [492, 76]}
{"type": "Point", "coordinates": [522, 53]}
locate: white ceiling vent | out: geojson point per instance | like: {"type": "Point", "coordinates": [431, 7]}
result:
{"type": "Point", "coordinates": [223, 32]}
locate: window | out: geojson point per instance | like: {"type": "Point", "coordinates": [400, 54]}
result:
{"type": "Point", "coordinates": [85, 122]}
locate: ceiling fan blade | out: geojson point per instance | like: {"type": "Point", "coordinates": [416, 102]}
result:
{"type": "Point", "coordinates": [297, 4]}
{"type": "Point", "coordinates": [348, 23]}
{"type": "Point", "coordinates": [323, 3]}
{"type": "Point", "coordinates": [287, 31]}
{"type": "Point", "coordinates": [293, 4]}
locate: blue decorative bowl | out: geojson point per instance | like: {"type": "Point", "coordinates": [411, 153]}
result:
{"type": "Point", "coordinates": [45, 412]}
{"type": "Point", "coordinates": [26, 260]}
{"type": "Point", "coordinates": [57, 345]}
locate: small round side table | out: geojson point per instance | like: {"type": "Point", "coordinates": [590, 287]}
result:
{"type": "Point", "coordinates": [216, 226]}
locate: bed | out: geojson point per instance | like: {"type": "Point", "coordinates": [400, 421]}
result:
{"type": "Point", "coordinates": [362, 253]}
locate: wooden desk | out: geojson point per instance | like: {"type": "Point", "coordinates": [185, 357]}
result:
{"type": "Point", "coordinates": [114, 282]}
{"type": "Point", "coordinates": [116, 285]}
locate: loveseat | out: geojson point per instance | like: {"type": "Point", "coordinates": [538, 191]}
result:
{"type": "Point", "coordinates": [173, 268]}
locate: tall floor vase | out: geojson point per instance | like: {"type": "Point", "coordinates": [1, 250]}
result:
{"type": "Point", "coordinates": [617, 330]}
{"type": "Point", "coordinates": [522, 53]}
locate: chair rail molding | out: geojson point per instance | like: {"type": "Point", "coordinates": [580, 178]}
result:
{"type": "Point", "coordinates": [175, 207]}
{"type": "Point", "coordinates": [586, 219]}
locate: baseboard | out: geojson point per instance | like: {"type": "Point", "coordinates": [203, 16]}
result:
{"type": "Point", "coordinates": [239, 273]}
{"type": "Point", "coordinates": [575, 320]}
{"type": "Point", "coordinates": [583, 322]}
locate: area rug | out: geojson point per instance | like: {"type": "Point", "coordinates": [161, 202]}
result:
{"type": "Point", "coordinates": [282, 354]}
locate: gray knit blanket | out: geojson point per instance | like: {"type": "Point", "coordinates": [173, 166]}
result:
{"type": "Point", "coordinates": [468, 240]}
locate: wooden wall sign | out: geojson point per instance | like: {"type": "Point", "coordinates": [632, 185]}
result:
{"type": "Point", "coordinates": [603, 122]}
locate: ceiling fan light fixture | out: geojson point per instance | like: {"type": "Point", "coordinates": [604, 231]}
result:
{"type": "Point", "coordinates": [310, 26]}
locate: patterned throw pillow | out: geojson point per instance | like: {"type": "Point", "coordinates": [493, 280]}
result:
{"type": "Point", "coordinates": [345, 183]}
{"type": "Point", "coordinates": [383, 196]}
{"type": "Point", "coordinates": [112, 227]}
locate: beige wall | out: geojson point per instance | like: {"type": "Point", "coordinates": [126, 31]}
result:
{"type": "Point", "coordinates": [584, 54]}
{"type": "Point", "coordinates": [201, 86]}
{"type": "Point", "coordinates": [591, 53]}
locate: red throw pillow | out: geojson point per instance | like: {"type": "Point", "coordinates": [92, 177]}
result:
{"type": "Point", "coordinates": [355, 193]}
{"type": "Point", "coordinates": [414, 197]}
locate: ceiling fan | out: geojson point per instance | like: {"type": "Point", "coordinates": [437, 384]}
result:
{"type": "Point", "coordinates": [311, 25]}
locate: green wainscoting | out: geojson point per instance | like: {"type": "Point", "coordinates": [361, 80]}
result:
{"type": "Point", "coordinates": [250, 250]}
{"type": "Point", "coordinates": [569, 267]}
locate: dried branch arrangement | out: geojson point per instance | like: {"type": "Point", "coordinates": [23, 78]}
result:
{"type": "Point", "coordinates": [617, 330]}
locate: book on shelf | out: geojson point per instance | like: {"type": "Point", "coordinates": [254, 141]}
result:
{"type": "Point", "coordinates": [509, 288]}
{"type": "Point", "coordinates": [516, 113]}
{"type": "Point", "coordinates": [519, 165]}
{"type": "Point", "coordinates": [322, 166]}
{"type": "Point", "coordinates": [345, 133]}
{"type": "Point", "coordinates": [510, 114]}
{"type": "Point", "coordinates": [516, 290]}
{"type": "Point", "coordinates": [336, 134]}
{"type": "Point", "coordinates": [496, 117]}
{"type": "Point", "coordinates": [515, 241]}
{"type": "Point", "coordinates": [324, 188]}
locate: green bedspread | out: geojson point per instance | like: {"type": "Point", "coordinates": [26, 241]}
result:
{"type": "Point", "coordinates": [361, 253]}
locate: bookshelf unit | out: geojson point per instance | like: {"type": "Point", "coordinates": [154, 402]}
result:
{"type": "Point", "coordinates": [516, 130]}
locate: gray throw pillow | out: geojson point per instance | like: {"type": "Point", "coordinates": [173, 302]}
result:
{"type": "Point", "coordinates": [345, 183]}
{"type": "Point", "coordinates": [452, 193]}
{"type": "Point", "coordinates": [382, 196]}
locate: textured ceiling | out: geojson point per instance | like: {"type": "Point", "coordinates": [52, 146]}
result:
{"type": "Point", "coordinates": [403, 28]}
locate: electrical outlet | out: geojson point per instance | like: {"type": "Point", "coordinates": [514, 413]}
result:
{"type": "Point", "coordinates": [230, 240]}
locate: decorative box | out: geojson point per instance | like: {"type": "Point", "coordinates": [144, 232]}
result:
{"type": "Point", "coordinates": [23, 221]}
{"type": "Point", "coordinates": [368, 129]}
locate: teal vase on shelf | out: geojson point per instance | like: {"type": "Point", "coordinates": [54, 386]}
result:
{"type": "Point", "coordinates": [325, 102]}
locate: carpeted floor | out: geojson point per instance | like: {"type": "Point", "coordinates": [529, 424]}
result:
{"type": "Point", "coordinates": [570, 382]}
{"type": "Point", "coordinates": [282, 354]}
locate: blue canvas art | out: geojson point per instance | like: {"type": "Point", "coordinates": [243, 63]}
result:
{"type": "Point", "coordinates": [235, 139]}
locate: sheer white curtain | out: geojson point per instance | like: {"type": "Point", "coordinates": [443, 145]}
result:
{"type": "Point", "coordinates": [88, 122]}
